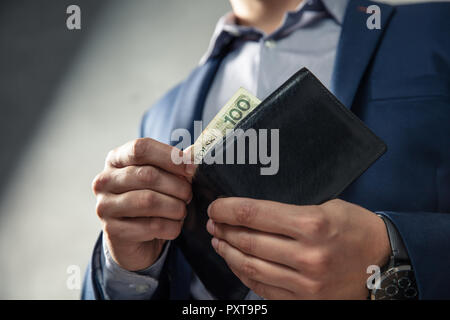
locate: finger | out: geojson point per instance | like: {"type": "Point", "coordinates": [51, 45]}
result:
{"type": "Point", "coordinates": [263, 215]}
{"type": "Point", "coordinates": [147, 151]}
{"type": "Point", "coordinates": [144, 177]}
{"type": "Point", "coordinates": [259, 270]}
{"type": "Point", "coordinates": [265, 291]}
{"type": "Point", "coordinates": [266, 246]}
{"type": "Point", "coordinates": [140, 203]}
{"type": "Point", "coordinates": [191, 167]}
{"type": "Point", "coordinates": [143, 229]}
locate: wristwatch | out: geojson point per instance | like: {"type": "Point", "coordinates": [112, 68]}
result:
{"type": "Point", "coordinates": [397, 280]}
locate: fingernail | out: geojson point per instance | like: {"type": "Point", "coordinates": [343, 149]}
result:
{"type": "Point", "coordinates": [187, 158]}
{"type": "Point", "coordinates": [190, 198]}
{"type": "Point", "coordinates": [210, 226]}
{"type": "Point", "coordinates": [190, 169]}
{"type": "Point", "coordinates": [209, 209]}
{"type": "Point", "coordinates": [214, 243]}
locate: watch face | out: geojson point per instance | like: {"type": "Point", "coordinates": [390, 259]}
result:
{"type": "Point", "coordinates": [397, 283]}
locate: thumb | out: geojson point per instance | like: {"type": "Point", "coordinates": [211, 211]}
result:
{"type": "Point", "coordinates": [188, 159]}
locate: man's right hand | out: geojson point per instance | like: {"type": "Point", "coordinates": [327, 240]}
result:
{"type": "Point", "coordinates": [141, 201]}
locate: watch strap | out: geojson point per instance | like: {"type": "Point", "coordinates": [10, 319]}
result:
{"type": "Point", "coordinates": [399, 252]}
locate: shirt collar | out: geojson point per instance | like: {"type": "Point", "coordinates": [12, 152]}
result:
{"type": "Point", "coordinates": [227, 29]}
{"type": "Point", "coordinates": [336, 8]}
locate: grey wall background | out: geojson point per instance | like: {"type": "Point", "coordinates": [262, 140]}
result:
{"type": "Point", "coordinates": [66, 99]}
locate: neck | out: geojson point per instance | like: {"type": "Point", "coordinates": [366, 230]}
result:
{"type": "Point", "coordinates": [266, 15]}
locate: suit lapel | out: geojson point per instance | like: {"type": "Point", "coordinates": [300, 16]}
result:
{"type": "Point", "coordinates": [191, 98]}
{"type": "Point", "coordinates": [356, 47]}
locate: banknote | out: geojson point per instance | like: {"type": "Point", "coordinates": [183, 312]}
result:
{"type": "Point", "coordinates": [234, 111]}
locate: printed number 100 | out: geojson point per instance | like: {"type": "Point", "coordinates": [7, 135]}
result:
{"type": "Point", "coordinates": [235, 114]}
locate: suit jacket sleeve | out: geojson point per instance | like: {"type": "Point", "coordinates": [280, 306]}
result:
{"type": "Point", "coordinates": [427, 239]}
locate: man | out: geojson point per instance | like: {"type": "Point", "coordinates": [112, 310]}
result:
{"type": "Point", "coordinates": [395, 78]}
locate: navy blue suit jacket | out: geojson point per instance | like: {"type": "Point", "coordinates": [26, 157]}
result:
{"type": "Point", "coordinates": [397, 80]}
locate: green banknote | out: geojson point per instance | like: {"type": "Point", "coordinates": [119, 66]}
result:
{"type": "Point", "coordinates": [236, 109]}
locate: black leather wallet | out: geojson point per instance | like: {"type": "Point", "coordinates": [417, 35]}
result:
{"type": "Point", "coordinates": [323, 147]}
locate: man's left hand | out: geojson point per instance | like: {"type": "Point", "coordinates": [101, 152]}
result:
{"type": "Point", "coordinates": [283, 251]}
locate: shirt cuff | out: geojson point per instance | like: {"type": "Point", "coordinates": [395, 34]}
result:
{"type": "Point", "coordinates": [120, 284]}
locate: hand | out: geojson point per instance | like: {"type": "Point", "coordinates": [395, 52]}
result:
{"type": "Point", "coordinates": [283, 251]}
{"type": "Point", "coordinates": [141, 201]}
